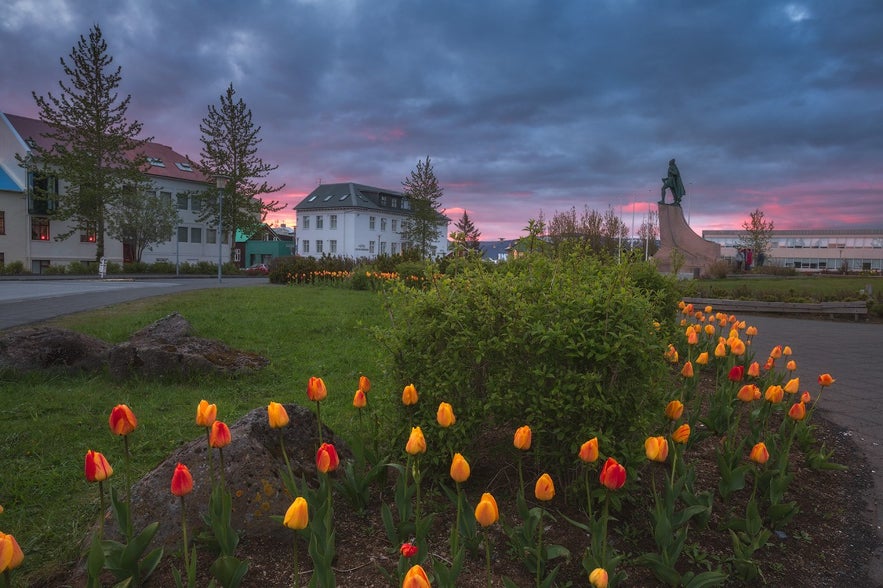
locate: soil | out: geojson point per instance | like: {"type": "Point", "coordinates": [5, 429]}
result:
{"type": "Point", "coordinates": [829, 543]}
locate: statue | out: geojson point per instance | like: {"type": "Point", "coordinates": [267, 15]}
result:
{"type": "Point", "coordinates": [673, 182]}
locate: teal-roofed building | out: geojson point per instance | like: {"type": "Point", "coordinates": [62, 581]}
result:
{"type": "Point", "coordinates": [262, 246]}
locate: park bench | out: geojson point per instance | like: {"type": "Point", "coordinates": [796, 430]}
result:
{"type": "Point", "coordinates": [856, 308]}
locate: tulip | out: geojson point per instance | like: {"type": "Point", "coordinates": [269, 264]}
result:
{"type": "Point", "coordinates": [364, 384]}
{"type": "Point", "coordinates": [791, 365]}
{"type": "Point", "coordinates": [805, 397]}
{"type": "Point", "coordinates": [408, 550]}
{"type": "Point", "coordinates": [122, 420]}
{"type": "Point", "coordinates": [672, 354]}
{"type": "Point", "coordinates": [182, 481]}
{"type": "Point", "coordinates": [588, 451]}
{"type": "Point", "coordinates": [720, 350]}
{"type": "Point", "coordinates": [751, 331]}
{"type": "Point", "coordinates": [522, 438]}
{"type": "Point", "coordinates": [688, 309]}
{"type": "Point", "coordinates": [759, 454]}
{"type": "Point", "coordinates": [486, 512]}
{"type": "Point", "coordinates": [359, 399]}
{"type": "Point", "coordinates": [206, 413]}
{"type": "Point", "coordinates": [545, 488]}
{"type": "Point", "coordinates": [316, 390]}
{"type": "Point", "coordinates": [674, 409]}
{"type": "Point", "coordinates": [445, 415]}
{"type": "Point", "coordinates": [409, 395]}
{"type": "Point", "coordinates": [776, 353]}
{"type": "Point", "coordinates": [277, 415]}
{"type": "Point", "coordinates": [798, 411]}
{"type": "Point", "coordinates": [748, 393]}
{"type": "Point", "coordinates": [326, 458]}
{"type": "Point", "coordinates": [736, 373]}
{"type": "Point", "coordinates": [770, 362]}
{"type": "Point", "coordinates": [702, 359]}
{"type": "Point", "coordinates": [416, 578]}
{"type": "Point", "coordinates": [97, 468]}
{"type": "Point", "coordinates": [613, 475]}
{"type": "Point", "coordinates": [709, 330]}
{"type": "Point", "coordinates": [220, 435]}
{"type": "Point", "coordinates": [297, 516]}
{"type": "Point", "coordinates": [598, 578]}
{"type": "Point", "coordinates": [708, 309]}
{"type": "Point", "coordinates": [687, 370]}
{"type": "Point", "coordinates": [681, 434]}
{"type": "Point", "coordinates": [826, 380]}
{"type": "Point", "coordinates": [11, 554]}
{"type": "Point", "coordinates": [416, 442]}
{"type": "Point", "coordinates": [656, 448]}
{"type": "Point", "coordinates": [737, 347]}
{"type": "Point", "coordinates": [459, 468]}
{"type": "Point", "coordinates": [733, 335]}
{"type": "Point", "coordinates": [754, 370]}
{"type": "Point", "coordinates": [774, 394]}
{"type": "Point", "coordinates": [692, 338]}
{"type": "Point", "coordinates": [792, 386]}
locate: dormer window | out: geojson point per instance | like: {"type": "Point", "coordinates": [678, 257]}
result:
{"type": "Point", "coordinates": [183, 166]}
{"type": "Point", "coordinates": [155, 162]}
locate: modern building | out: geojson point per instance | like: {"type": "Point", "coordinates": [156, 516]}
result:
{"type": "Point", "coordinates": [354, 220]}
{"type": "Point", "coordinates": [262, 246]}
{"type": "Point", "coordinates": [854, 250]}
{"type": "Point", "coordinates": [28, 232]}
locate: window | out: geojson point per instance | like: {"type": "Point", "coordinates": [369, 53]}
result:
{"type": "Point", "coordinates": [382, 224]}
{"type": "Point", "coordinates": [319, 246]}
{"type": "Point", "coordinates": [184, 166]}
{"type": "Point", "coordinates": [211, 236]}
{"type": "Point", "coordinates": [383, 200]}
{"type": "Point", "coordinates": [2, 258]}
{"type": "Point", "coordinates": [42, 193]}
{"type": "Point", "coordinates": [195, 235]}
{"type": "Point", "coordinates": [394, 248]}
{"type": "Point", "coordinates": [165, 198]}
{"type": "Point", "coordinates": [371, 223]}
{"type": "Point", "coordinates": [320, 222]}
{"type": "Point", "coordinates": [395, 226]}
{"type": "Point", "coordinates": [305, 245]}
{"type": "Point", "coordinates": [305, 221]}
{"type": "Point", "coordinates": [333, 221]}
{"type": "Point", "coordinates": [90, 234]}
{"type": "Point", "coordinates": [182, 234]}
{"type": "Point", "coordinates": [196, 204]}
{"type": "Point", "coordinates": [332, 244]}
{"type": "Point", "coordinates": [182, 201]}
{"type": "Point", "coordinates": [383, 247]}
{"type": "Point", "coordinates": [2, 222]}
{"type": "Point", "coordinates": [371, 247]}
{"type": "Point", "coordinates": [39, 228]}
{"type": "Point", "coordinates": [155, 162]}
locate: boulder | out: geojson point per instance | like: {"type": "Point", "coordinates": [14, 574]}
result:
{"type": "Point", "coordinates": [45, 348]}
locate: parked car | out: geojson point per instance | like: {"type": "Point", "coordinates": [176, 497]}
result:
{"type": "Point", "coordinates": [260, 269]}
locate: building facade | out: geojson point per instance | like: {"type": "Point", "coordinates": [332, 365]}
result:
{"type": "Point", "coordinates": [355, 220]}
{"type": "Point", "coordinates": [28, 231]}
{"type": "Point", "coordinates": [854, 250]}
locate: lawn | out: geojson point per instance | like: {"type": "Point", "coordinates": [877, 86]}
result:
{"type": "Point", "coordinates": [785, 289]}
{"type": "Point", "coordinates": [48, 422]}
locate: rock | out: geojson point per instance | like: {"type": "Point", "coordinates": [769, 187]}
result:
{"type": "Point", "coordinates": [42, 348]}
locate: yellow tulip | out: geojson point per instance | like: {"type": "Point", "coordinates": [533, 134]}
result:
{"type": "Point", "coordinates": [681, 434]}
{"type": "Point", "coordinates": [709, 330]}
{"type": "Point", "coordinates": [793, 386]}
{"type": "Point", "coordinates": [11, 554]}
{"type": "Point", "coordinates": [674, 409]}
{"type": "Point", "coordinates": [656, 448]}
{"type": "Point", "coordinates": [445, 415]}
{"type": "Point", "coordinates": [598, 578]}
{"type": "Point", "coordinates": [359, 399]}
{"type": "Point", "coordinates": [416, 578]}
{"type": "Point", "coordinates": [522, 438]}
{"type": "Point", "coordinates": [409, 395]}
{"type": "Point", "coordinates": [297, 516]}
{"type": "Point", "coordinates": [687, 370]}
{"type": "Point", "coordinates": [702, 359]}
{"type": "Point", "coordinates": [459, 468]}
{"type": "Point", "coordinates": [416, 442]}
{"type": "Point", "coordinates": [206, 413]}
{"type": "Point", "coordinates": [791, 365]}
{"type": "Point", "coordinates": [754, 369]}
{"type": "Point", "coordinates": [486, 512]}
{"type": "Point", "coordinates": [774, 394]}
{"type": "Point", "coordinates": [759, 454]}
{"type": "Point", "coordinates": [720, 350]}
{"type": "Point", "coordinates": [316, 390]}
{"type": "Point", "coordinates": [588, 451]}
{"type": "Point", "coordinates": [545, 488]}
{"type": "Point", "coordinates": [277, 415]}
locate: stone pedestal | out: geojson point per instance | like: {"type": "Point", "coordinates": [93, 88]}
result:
{"type": "Point", "coordinates": [678, 240]}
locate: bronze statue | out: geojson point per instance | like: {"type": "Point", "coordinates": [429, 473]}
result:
{"type": "Point", "coordinates": [673, 182]}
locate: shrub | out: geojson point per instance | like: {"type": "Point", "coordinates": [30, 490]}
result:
{"type": "Point", "coordinates": [55, 270]}
{"type": "Point", "coordinates": [566, 346]}
{"type": "Point", "coordinates": [720, 269]}
{"type": "Point", "coordinates": [13, 268]}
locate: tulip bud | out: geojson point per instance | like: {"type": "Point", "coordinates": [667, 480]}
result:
{"type": "Point", "coordinates": [702, 359]}
{"type": "Point", "coordinates": [792, 386]}
{"type": "Point", "coordinates": [687, 370]}
{"type": "Point", "coordinates": [409, 395]}
{"type": "Point", "coordinates": [612, 475]}
{"type": "Point", "coordinates": [720, 350]}
{"type": "Point", "coordinates": [774, 394]}
{"type": "Point", "coordinates": [11, 554]}
{"type": "Point", "coordinates": [206, 413]}
{"type": "Point", "coordinates": [97, 468]}
{"type": "Point", "coordinates": [776, 353]}
{"type": "Point", "coordinates": [681, 434]}
{"type": "Point", "coordinates": [709, 330]}
{"type": "Point", "coordinates": [182, 481]}
{"type": "Point", "coordinates": [736, 373]}
{"type": "Point", "coordinates": [522, 438]}
{"type": "Point", "coordinates": [754, 369]}
{"type": "Point", "coordinates": [656, 448]}
{"type": "Point", "coordinates": [326, 458]}
{"type": "Point", "coordinates": [545, 488]}
{"type": "Point", "coordinates": [364, 384]}
{"type": "Point", "coordinates": [791, 365]}
{"type": "Point", "coordinates": [805, 397]}
{"type": "Point", "coordinates": [416, 578]}
{"type": "Point", "coordinates": [748, 393]}
{"type": "Point", "coordinates": [445, 415]}
{"type": "Point", "coordinates": [692, 338]}
{"type": "Point", "coordinates": [826, 380]}
{"type": "Point", "coordinates": [297, 516]}
{"type": "Point", "coordinates": [486, 512]}
{"type": "Point", "coordinates": [674, 409]}
{"type": "Point", "coordinates": [359, 399]}
{"type": "Point", "coordinates": [408, 550]}
{"type": "Point", "coordinates": [598, 578]}
{"type": "Point", "coordinates": [220, 435]}
{"type": "Point", "coordinates": [588, 451]}
{"type": "Point", "coordinates": [759, 454]}
{"type": "Point", "coordinates": [122, 420]}
{"type": "Point", "coordinates": [798, 411]}
{"type": "Point", "coordinates": [416, 442]}
{"type": "Point", "coordinates": [316, 390]}
{"type": "Point", "coordinates": [459, 468]}
{"type": "Point", "coordinates": [277, 415]}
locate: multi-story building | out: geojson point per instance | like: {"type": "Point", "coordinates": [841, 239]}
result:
{"type": "Point", "coordinates": [813, 250]}
{"type": "Point", "coordinates": [28, 231]}
{"type": "Point", "coordinates": [354, 220]}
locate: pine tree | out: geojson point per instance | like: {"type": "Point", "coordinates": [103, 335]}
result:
{"type": "Point", "coordinates": [229, 147]}
{"type": "Point", "coordinates": [471, 235]}
{"type": "Point", "coordinates": [427, 221]}
{"type": "Point", "coordinates": [94, 148]}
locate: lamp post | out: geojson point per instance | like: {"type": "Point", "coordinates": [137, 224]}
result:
{"type": "Point", "coordinates": [221, 184]}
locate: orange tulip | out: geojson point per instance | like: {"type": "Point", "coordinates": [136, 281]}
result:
{"type": "Point", "coordinates": [748, 393]}
{"type": "Point", "coordinates": [182, 481]}
{"type": "Point", "coordinates": [206, 413]}
{"type": "Point", "coordinates": [692, 338]}
{"type": "Point", "coordinates": [681, 434]}
{"type": "Point", "coordinates": [751, 331]}
{"type": "Point", "coordinates": [774, 394]}
{"type": "Point", "coordinates": [737, 347]}
{"type": "Point", "coordinates": [459, 468]}
{"type": "Point", "coordinates": [316, 390]}
{"type": "Point", "coordinates": [122, 420]}
{"type": "Point", "coordinates": [776, 353]}
{"type": "Point", "coordinates": [805, 397]}
{"type": "Point", "coordinates": [798, 411]}
{"type": "Point", "coordinates": [545, 488]}
{"type": "Point", "coordinates": [754, 370]}
{"type": "Point", "coordinates": [656, 448]}
{"type": "Point", "coordinates": [409, 395]}
{"type": "Point", "coordinates": [445, 415]}
{"type": "Point", "coordinates": [97, 468]}
{"type": "Point", "coordinates": [791, 365]}
{"type": "Point", "coordinates": [720, 350]}
{"type": "Point", "coordinates": [599, 578]}
{"type": "Point", "coordinates": [702, 359]}
{"type": "Point", "coordinates": [787, 351]}
{"type": "Point", "coordinates": [613, 475]}
{"type": "Point", "coordinates": [826, 380]}
{"type": "Point", "coordinates": [416, 442]}
{"type": "Point", "coordinates": [709, 329]}
{"type": "Point", "coordinates": [486, 512]}
{"type": "Point", "coordinates": [364, 384]}
{"type": "Point", "coordinates": [759, 454]}
{"type": "Point", "coordinates": [359, 399]}
{"type": "Point", "coordinates": [11, 554]}
{"type": "Point", "coordinates": [297, 516]}
{"type": "Point", "coordinates": [687, 370]}
{"type": "Point", "coordinates": [326, 458]}
{"type": "Point", "coordinates": [588, 451]}
{"type": "Point", "coordinates": [220, 435]}
{"type": "Point", "coordinates": [792, 386]}
{"type": "Point", "coordinates": [277, 415]}
{"type": "Point", "coordinates": [770, 362]}
{"type": "Point", "coordinates": [672, 354]}
{"type": "Point", "coordinates": [708, 309]}
{"type": "Point", "coordinates": [522, 438]}
{"type": "Point", "coordinates": [416, 578]}
{"type": "Point", "coordinates": [674, 409]}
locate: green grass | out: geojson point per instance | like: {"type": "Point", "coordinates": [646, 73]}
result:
{"type": "Point", "coordinates": [48, 422]}
{"type": "Point", "coordinates": [785, 289]}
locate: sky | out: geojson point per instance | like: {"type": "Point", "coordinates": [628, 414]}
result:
{"type": "Point", "coordinates": [525, 107]}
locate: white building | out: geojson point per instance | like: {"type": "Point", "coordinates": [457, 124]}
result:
{"type": "Point", "coordinates": [820, 250]}
{"type": "Point", "coordinates": [27, 231]}
{"type": "Point", "coordinates": [354, 220]}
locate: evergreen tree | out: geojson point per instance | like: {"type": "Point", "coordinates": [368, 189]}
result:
{"type": "Point", "coordinates": [427, 219]}
{"type": "Point", "coordinates": [471, 235]}
{"type": "Point", "coordinates": [229, 147]}
{"type": "Point", "coordinates": [94, 148]}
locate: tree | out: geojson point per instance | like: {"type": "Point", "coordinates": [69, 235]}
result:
{"type": "Point", "coordinates": [591, 231]}
{"type": "Point", "coordinates": [229, 147]}
{"type": "Point", "coordinates": [94, 148]}
{"type": "Point", "coordinates": [533, 241]}
{"type": "Point", "coordinates": [647, 234]}
{"type": "Point", "coordinates": [427, 218]}
{"type": "Point", "coordinates": [141, 220]}
{"type": "Point", "coordinates": [757, 236]}
{"type": "Point", "coordinates": [471, 235]}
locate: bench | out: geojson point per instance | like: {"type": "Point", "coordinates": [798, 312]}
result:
{"type": "Point", "coordinates": [855, 308]}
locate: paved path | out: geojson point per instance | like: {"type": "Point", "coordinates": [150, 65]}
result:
{"type": "Point", "coordinates": [853, 354]}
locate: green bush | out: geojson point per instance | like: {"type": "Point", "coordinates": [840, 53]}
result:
{"type": "Point", "coordinates": [566, 346]}
{"type": "Point", "coordinates": [81, 269]}
{"type": "Point", "coordinates": [13, 268]}
{"type": "Point", "coordinates": [55, 270]}
{"type": "Point", "coordinates": [136, 267]}
{"type": "Point", "coordinates": [292, 269]}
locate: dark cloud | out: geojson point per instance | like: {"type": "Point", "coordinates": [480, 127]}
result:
{"type": "Point", "coordinates": [524, 106]}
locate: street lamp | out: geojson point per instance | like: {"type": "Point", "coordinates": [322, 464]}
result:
{"type": "Point", "coordinates": [221, 184]}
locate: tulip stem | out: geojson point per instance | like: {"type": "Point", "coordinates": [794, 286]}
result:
{"type": "Point", "coordinates": [296, 581]}
{"type": "Point", "coordinates": [101, 511]}
{"type": "Point", "coordinates": [184, 532]}
{"type": "Point", "coordinates": [319, 420]}
{"type": "Point", "coordinates": [487, 555]}
{"type": "Point", "coordinates": [588, 495]}
{"type": "Point", "coordinates": [211, 461]}
{"type": "Point", "coordinates": [456, 538]}
{"type": "Point", "coordinates": [285, 455]}
{"type": "Point", "coordinates": [540, 547]}
{"type": "Point", "coordinates": [221, 454]}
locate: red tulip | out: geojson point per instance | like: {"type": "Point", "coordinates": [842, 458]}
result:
{"type": "Point", "coordinates": [612, 474]}
{"type": "Point", "coordinates": [736, 373]}
{"type": "Point", "coordinates": [220, 435]}
{"type": "Point", "coordinates": [122, 420]}
{"type": "Point", "coordinates": [316, 389]}
{"type": "Point", "coordinates": [97, 468]}
{"type": "Point", "coordinates": [326, 458]}
{"type": "Point", "coordinates": [182, 481]}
